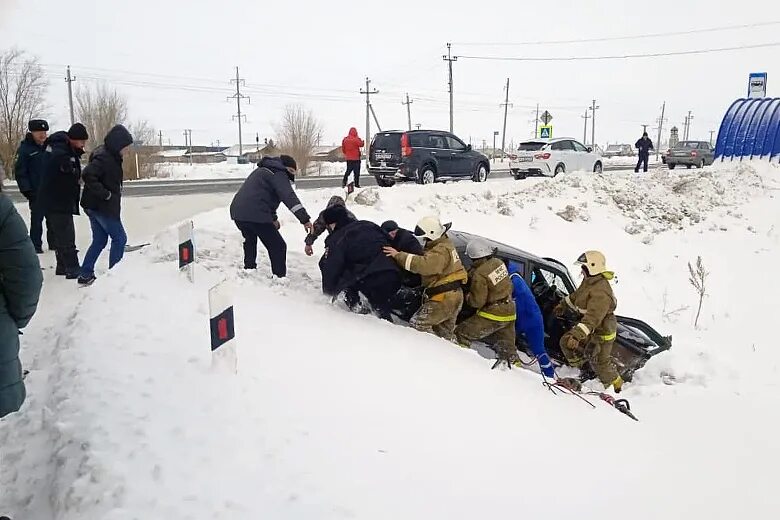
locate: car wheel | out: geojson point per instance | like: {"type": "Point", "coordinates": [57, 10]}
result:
{"type": "Point", "coordinates": [672, 166]}
{"type": "Point", "coordinates": [481, 174]}
{"type": "Point", "coordinates": [689, 166]}
{"type": "Point", "coordinates": [427, 175]}
{"type": "Point", "coordinates": [598, 168]}
{"type": "Point", "coordinates": [561, 168]}
{"type": "Point", "coordinates": [701, 164]}
{"type": "Point", "coordinates": [382, 183]}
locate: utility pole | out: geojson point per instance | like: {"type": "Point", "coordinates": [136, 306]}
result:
{"type": "Point", "coordinates": [585, 132]}
{"type": "Point", "coordinates": [408, 104]}
{"type": "Point", "coordinates": [449, 58]}
{"type": "Point", "coordinates": [188, 142]}
{"type": "Point", "coordinates": [593, 109]}
{"type": "Point", "coordinates": [257, 143]}
{"type": "Point", "coordinates": [238, 96]}
{"type": "Point", "coordinates": [69, 80]}
{"type": "Point", "coordinates": [160, 139]}
{"type": "Point", "coordinates": [505, 104]}
{"type": "Point", "coordinates": [536, 127]}
{"type": "Point", "coordinates": [661, 122]}
{"type": "Point", "coordinates": [688, 121]}
{"type": "Point", "coordinates": [368, 93]}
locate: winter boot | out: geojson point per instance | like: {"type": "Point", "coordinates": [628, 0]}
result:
{"type": "Point", "coordinates": [617, 384]}
{"type": "Point", "coordinates": [86, 281]}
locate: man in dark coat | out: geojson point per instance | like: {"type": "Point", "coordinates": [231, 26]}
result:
{"type": "Point", "coordinates": [21, 284]}
{"type": "Point", "coordinates": [254, 210]}
{"type": "Point", "coordinates": [102, 201]}
{"type": "Point", "coordinates": [402, 239]}
{"type": "Point", "coordinates": [59, 194]}
{"type": "Point", "coordinates": [29, 169]}
{"type": "Point", "coordinates": [355, 262]}
{"type": "Point", "coordinates": [644, 145]}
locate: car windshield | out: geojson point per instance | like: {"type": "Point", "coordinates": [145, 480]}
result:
{"type": "Point", "coordinates": [530, 147]}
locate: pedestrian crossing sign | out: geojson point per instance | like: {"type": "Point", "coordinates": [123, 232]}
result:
{"type": "Point", "coordinates": [545, 132]}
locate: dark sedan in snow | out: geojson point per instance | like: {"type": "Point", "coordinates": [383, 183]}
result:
{"type": "Point", "coordinates": [550, 281]}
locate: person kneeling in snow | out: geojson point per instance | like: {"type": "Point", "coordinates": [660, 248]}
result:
{"type": "Point", "coordinates": [355, 262]}
{"type": "Point", "coordinates": [592, 339]}
{"type": "Point", "coordinates": [529, 320]}
{"type": "Point", "coordinates": [490, 295]}
{"type": "Point", "coordinates": [442, 275]}
{"type": "Point", "coordinates": [319, 226]}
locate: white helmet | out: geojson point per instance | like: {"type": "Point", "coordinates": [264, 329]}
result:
{"type": "Point", "coordinates": [479, 248]}
{"type": "Point", "coordinates": [431, 228]}
{"type": "Point", "coordinates": [593, 261]}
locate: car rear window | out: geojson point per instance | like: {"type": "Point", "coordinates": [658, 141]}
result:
{"type": "Point", "coordinates": [389, 141]}
{"type": "Point", "coordinates": [688, 144]}
{"type": "Point", "coordinates": [530, 147]}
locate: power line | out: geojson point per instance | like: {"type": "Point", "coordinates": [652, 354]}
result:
{"type": "Point", "coordinates": [626, 37]}
{"type": "Point", "coordinates": [238, 96]}
{"type": "Point", "coordinates": [621, 56]}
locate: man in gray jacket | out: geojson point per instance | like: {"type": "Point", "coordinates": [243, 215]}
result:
{"type": "Point", "coordinates": [254, 210]}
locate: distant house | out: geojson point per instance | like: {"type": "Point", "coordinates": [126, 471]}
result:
{"type": "Point", "coordinates": [330, 153]}
{"type": "Point", "coordinates": [207, 157]}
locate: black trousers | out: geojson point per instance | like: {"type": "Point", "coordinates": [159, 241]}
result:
{"type": "Point", "coordinates": [643, 158]}
{"type": "Point", "coordinates": [379, 290]}
{"type": "Point", "coordinates": [352, 167]}
{"type": "Point", "coordinates": [63, 232]}
{"type": "Point", "coordinates": [37, 215]}
{"type": "Point", "coordinates": [271, 239]}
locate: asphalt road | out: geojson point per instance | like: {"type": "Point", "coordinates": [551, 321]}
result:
{"type": "Point", "coordinates": [193, 187]}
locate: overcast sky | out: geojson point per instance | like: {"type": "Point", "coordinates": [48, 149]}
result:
{"type": "Point", "coordinates": [174, 60]}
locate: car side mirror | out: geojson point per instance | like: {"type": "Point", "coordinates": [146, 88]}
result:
{"type": "Point", "coordinates": [468, 147]}
{"type": "Point", "coordinates": [590, 149]}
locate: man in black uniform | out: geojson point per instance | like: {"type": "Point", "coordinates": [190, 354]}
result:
{"type": "Point", "coordinates": [644, 145]}
{"type": "Point", "coordinates": [29, 169]}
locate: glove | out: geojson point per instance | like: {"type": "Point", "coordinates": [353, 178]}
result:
{"type": "Point", "coordinates": [308, 250]}
{"type": "Point", "coordinates": [559, 310]}
{"type": "Point", "coordinates": [277, 224]}
{"type": "Point", "coordinates": [570, 341]}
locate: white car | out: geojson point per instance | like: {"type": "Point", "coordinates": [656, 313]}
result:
{"type": "Point", "coordinates": [550, 157]}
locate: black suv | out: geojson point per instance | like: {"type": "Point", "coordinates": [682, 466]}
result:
{"type": "Point", "coordinates": [424, 156]}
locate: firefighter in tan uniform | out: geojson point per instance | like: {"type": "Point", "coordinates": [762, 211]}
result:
{"type": "Point", "coordinates": [591, 340]}
{"type": "Point", "coordinates": [490, 294]}
{"type": "Point", "coordinates": [443, 277]}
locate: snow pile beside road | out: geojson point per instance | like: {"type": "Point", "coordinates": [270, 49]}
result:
{"type": "Point", "coordinates": [335, 415]}
{"type": "Point", "coordinates": [226, 170]}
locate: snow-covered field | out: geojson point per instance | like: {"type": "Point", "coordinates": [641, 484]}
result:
{"type": "Point", "coordinates": [335, 415]}
{"type": "Point", "coordinates": [225, 170]}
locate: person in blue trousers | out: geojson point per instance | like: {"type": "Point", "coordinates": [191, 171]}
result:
{"type": "Point", "coordinates": [102, 201]}
{"type": "Point", "coordinates": [529, 319]}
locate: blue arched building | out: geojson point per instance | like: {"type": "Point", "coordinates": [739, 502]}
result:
{"type": "Point", "coordinates": [750, 130]}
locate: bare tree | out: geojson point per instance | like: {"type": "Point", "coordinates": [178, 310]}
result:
{"type": "Point", "coordinates": [22, 91]}
{"type": "Point", "coordinates": [138, 165]}
{"type": "Point", "coordinates": [99, 109]}
{"type": "Point", "coordinates": [697, 278]}
{"type": "Point", "coordinates": [299, 133]}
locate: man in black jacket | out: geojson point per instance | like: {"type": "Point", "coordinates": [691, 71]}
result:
{"type": "Point", "coordinates": [29, 170]}
{"type": "Point", "coordinates": [402, 239]}
{"type": "Point", "coordinates": [254, 210]}
{"type": "Point", "coordinates": [102, 201]}
{"type": "Point", "coordinates": [644, 145]}
{"type": "Point", "coordinates": [355, 262]}
{"type": "Point", "coordinates": [59, 194]}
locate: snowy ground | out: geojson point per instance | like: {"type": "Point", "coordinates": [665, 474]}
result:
{"type": "Point", "coordinates": [224, 170]}
{"type": "Point", "coordinates": [334, 415]}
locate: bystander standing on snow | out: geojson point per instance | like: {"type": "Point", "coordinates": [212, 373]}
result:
{"type": "Point", "coordinates": [102, 201]}
{"type": "Point", "coordinates": [351, 146]}
{"type": "Point", "coordinates": [22, 280]}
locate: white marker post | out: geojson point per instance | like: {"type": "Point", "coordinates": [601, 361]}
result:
{"type": "Point", "coordinates": [187, 250]}
{"type": "Point", "coordinates": [222, 324]}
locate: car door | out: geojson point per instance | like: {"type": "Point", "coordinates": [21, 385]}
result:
{"type": "Point", "coordinates": [563, 152]}
{"type": "Point", "coordinates": [585, 159]}
{"type": "Point", "coordinates": [439, 150]}
{"type": "Point", "coordinates": [460, 159]}
{"type": "Point", "coordinates": [706, 151]}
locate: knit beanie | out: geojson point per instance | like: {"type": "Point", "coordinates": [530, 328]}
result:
{"type": "Point", "coordinates": [78, 132]}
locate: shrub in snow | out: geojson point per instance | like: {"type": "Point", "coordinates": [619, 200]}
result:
{"type": "Point", "coordinates": [571, 213]}
{"type": "Point", "coordinates": [698, 277]}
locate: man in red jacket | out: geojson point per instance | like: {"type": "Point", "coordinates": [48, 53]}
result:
{"type": "Point", "coordinates": [351, 146]}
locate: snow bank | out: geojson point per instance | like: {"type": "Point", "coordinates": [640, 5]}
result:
{"type": "Point", "coordinates": [335, 415]}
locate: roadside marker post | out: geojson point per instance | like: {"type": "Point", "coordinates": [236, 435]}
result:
{"type": "Point", "coordinates": [224, 357]}
{"type": "Point", "coordinates": [187, 250]}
